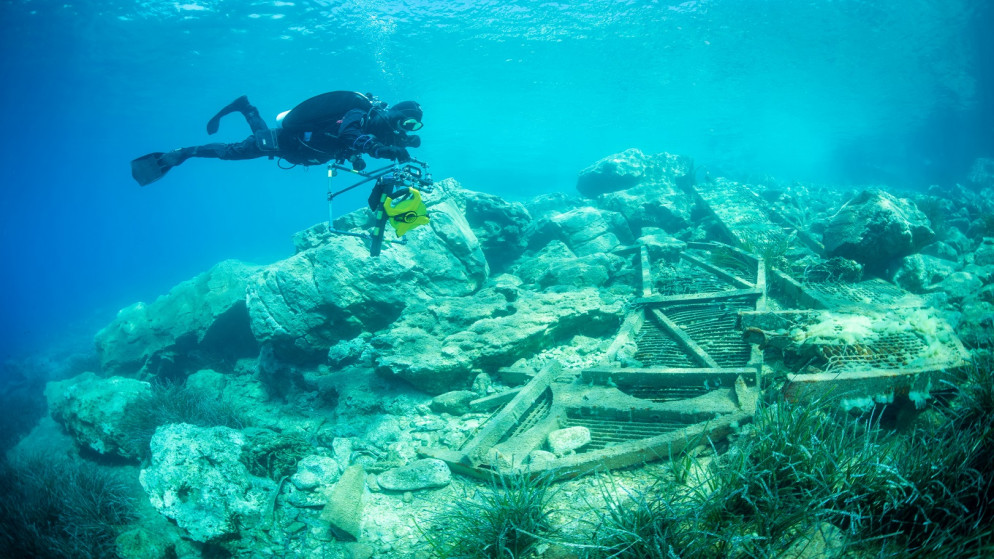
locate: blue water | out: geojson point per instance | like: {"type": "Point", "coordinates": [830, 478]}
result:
{"type": "Point", "coordinates": [518, 97]}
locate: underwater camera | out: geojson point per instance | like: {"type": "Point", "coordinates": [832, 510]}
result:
{"type": "Point", "coordinates": [395, 199]}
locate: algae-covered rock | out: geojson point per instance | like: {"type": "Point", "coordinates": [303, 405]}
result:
{"type": "Point", "coordinates": [557, 265]}
{"type": "Point", "coordinates": [455, 402]}
{"type": "Point", "coordinates": [585, 230]}
{"type": "Point", "coordinates": [93, 410]}
{"type": "Point", "coordinates": [307, 303]}
{"type": "Point", "coordinates": [874, 228]}
{"type": "Point", "coordinates": [984, 255]}
{"type": "Point", "coordinates": [499, 225]}
{"type": "Point", "coordinates": [628, 169]}
{"type": "Point", "coordinates": [918, 272]}
{"type": "Point", "coordinates": [426, 473]}
{"type": "Point", "coordinates": [313, 471]}
{"type": "Point", "coordinates": [139, 543]}
{"type": "Point", "coordinates": [615, 172]}
{"type": "Point", "coordinates": [197, 479]}
{"type": "Point", "coordinates": [201, 319]}
{"type": "Point", "coordinates": [562, 441]}
{"type": "Point", "coordinates": [440, 345]}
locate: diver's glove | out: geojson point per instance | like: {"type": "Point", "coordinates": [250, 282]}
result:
{"type": "Point", "coordinates": [408, 140]}
{"type": "Point", "coordinates": [393, 152]}
{"type": "Point", "coordinates": [357, 163]}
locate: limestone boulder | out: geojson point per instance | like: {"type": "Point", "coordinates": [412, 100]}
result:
{"type": "Point", "coordinates": [984, 255]}
{"type": "Point", "coordinates": [94, 410]}
{"type": "Point", "coordinates": [314, 471]}
{"type": "Point", "coordinates": [199, 321]}
{"type": "Point", "coordinates": [304, 305]}
{"type": "Point", "coordinates": [627, 169]}
{"type": "Point", "coordinates": [918, 272]}
{"type": "Point", "coordinates": [875, 228]}
{"type": "Point", "coordinates": [660, 200]}
{"type": "Point", "coordinates": [563, 441]}
{"type": "Point", "coordinates": [585, 230]}
{"type": "Point", "coordinates": [426, 473]}
{"type": "Point", "coordinates": [197, 480]}
{"type": "Point", "coordinates": [557, 265]}
{"type": "Point", "coordinates": [455, 402]}
{"type": "Point", "coordinates": [499, 225]}
{"type": "Point", "coordinates": [441, 344]}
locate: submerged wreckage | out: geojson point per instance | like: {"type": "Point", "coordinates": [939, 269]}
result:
{"type": "Point", "coordinates": [711, 326]}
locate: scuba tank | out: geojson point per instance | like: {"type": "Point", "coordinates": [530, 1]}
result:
{"type": "Point", "coordinates": [322, 112]}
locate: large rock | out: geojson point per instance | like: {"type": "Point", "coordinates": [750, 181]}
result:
{"type": "Point", "coordinates": [441, 344]}
{"type": "Point", "coordinates": [94, 410]}
{"type": "Point", "coordinates": [585, 230]}
{"type": "Point", "coordinates": [557, 265]}
{"type": "Point", "coordinates": [660, 199]}
{"type": "Point", "coordinates": [197, 480]}
{"type": "Point", "coordinates": [874, 228]}
{"type": "Point", "coordinates": [499, 225]}
{"type": "Point", "coordinates": [305, 304]}
{"type": "Point", "coordinates": [627, 169]}
{"type": "Point", "coordinates": [426, 473]}
{"type": "Point", "coordinates": [193, 325]}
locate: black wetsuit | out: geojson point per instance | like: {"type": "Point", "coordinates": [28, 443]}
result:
{"type": "Point", "coordinates": [359, 132]}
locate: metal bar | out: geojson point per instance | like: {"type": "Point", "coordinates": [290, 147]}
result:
{"type": "Point", "coordinates": [493, 401]}
{"type": "Point", "coordinates": [637, 452]}
{"type": "Point", "coordinates": [666, 377]}
{"type": "Point", "coordinates": [717, 271]}
{"type": "Point", "coordinates": [684, 340]}
{"type": "Point", "coordinates": [506, 419]}
{"type": "Point", "coordinates": [705, 297]}
{"type": "Point", "coordinates": [625, 335]}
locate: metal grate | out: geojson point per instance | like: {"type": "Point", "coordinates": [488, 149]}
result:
{"type": "Point", "coordinates": [657, 349]}
{"type": "Point", "coordinates": [893, 351]}
{"type": "Point", "coordinates": [729, 260]}
{"type": "Point", "coordinates": [713, 326]}
{"type": "Point", "coordinates": [605, 432]}
{"type": "Point", "coordinates": [868, 293]}
{"type": "Point", "coordinates": [536, 413]}
{"type": "Point", "coordinates": [685, 278]}
{"type": "Point", "coordinates": [743, 213]}
{"type": "Point", "coordinates": [663, 393]}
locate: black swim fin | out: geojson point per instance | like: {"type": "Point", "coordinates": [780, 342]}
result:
{"type": "Point", "coordinates": [241, 105]}
{"type": "Point", "coordinates": [149, 168]}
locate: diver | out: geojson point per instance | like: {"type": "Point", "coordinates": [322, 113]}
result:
{"type": "Point", "coordinates": [339, 125]}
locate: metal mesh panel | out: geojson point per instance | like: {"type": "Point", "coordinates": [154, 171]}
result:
{"type": "Point", "coordinates": [536, 413]}
{"type": "Point", "coordinates": [657, 349]}
{"type": "Point", "coordinates": [685, 278]}
{"type": "Point", "coordinates": [713, 327]}
{"type": "Point", "coordinates": [729, 260]}
{"type": "Point", "coordinates": [608, 431]}
{"type": "Point", "coordinates": [743, 213]}
{"type": "Point", "coordinates": [872, 293]}
{"type": "Point", "coordinates": [893, 351]}
{"type": "Point", "coordinates": [663, 393]}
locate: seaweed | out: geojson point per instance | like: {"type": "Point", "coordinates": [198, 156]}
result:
{"type": "Point", "coordinates": [61, 508]}
{"type": "Point", "coordinates": [505, 520]}
{"type": "Point", "coordinates": [172, 403]}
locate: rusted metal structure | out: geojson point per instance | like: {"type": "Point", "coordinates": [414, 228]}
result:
{"type": "Point", "coordinates": [688, 362]}
{"type": "Point", "coordinates": [677, 372]}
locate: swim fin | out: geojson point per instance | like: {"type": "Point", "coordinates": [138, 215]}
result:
{"type": "Point", "coordinates": [149, 168]}
{"type": "Point", "coordinates": [241, 105]}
